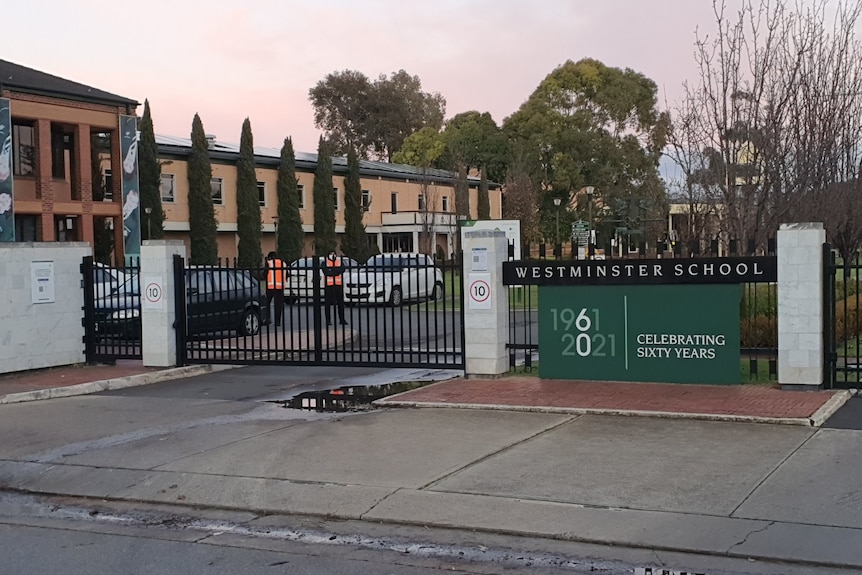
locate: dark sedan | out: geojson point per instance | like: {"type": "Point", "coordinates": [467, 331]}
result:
{"type": "Point", "coordinates": [217, 300]}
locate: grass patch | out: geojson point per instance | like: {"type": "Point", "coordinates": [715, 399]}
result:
{"type": "Point", "coordinates": [759, 375]}
{"type": "Point", "coordinates": [522, 369]}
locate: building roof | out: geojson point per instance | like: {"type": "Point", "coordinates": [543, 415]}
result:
{"type": "Point", "coordinates": [308, 161]}
{"type": "Point", "coordinates": [23, 79]}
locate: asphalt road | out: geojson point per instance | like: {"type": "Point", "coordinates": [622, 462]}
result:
{"type": "Point", "coordinates": [82, 537]}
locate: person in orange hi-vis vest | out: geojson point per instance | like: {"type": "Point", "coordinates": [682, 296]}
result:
{"type": "Point", "coordinates": [334, 290]}
{"type": "Point", "coordinates": [276, 281]}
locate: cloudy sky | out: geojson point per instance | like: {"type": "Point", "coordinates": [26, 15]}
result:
{"type": "Point", "coordinates": [228, 60]}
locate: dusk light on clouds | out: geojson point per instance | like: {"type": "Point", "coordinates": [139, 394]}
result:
{"type": "Point", "coordinates": [228, 60]}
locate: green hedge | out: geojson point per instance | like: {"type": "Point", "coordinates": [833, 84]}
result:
{"type": "Point", "coordinates": [762, 330]}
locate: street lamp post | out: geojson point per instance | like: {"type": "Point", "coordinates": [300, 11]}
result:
{"type": "Point", "coordinates": [148, 211]}
{"type": "Point", "coordinates": [557, 246]}
{"type": "Point", "coordinates": [275, 228]}
{"type": "Point", "coordinates": [590, 190]}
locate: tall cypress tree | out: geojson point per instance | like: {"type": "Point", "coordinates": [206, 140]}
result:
{"type": "Point", "coordinates": [202, 221]}
{"type": "Point", "coordinates": [291, 237]}
{"type": "Point", "coordinates": [150, 175]}
{"type": "Point", "coordinates": [354, 244]}
{"type": "Point", "coordinates": [324, 202]}
{"type": "Point", "coordinates": [484, 202]}
{"type": "Point", "coordinates": [248, 226]}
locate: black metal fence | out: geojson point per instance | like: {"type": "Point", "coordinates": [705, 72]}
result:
{"type": "Point", "coordinates": [632, 249]}
{"type": "Point", "coordinates": [399, 310]}
{"type": "Point", "coordinates": [842, 326]}
{"type": "Point", "coordinates": [112, 311]}
{"type": "Point", "coordinates": [758, 303]}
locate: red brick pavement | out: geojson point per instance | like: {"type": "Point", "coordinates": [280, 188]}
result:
{"type": "Point", "coordinates": [760, 401]}
{"type": "Point", "coordinates": [65, 376]}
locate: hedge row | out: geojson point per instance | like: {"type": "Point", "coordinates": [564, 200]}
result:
{"type": "Point", "coordinates": [759, 331]}
{"type": "Point", "coordinates": [762, 330]}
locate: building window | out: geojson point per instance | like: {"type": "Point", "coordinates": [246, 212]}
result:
{"type": "Point", "coordinates": [393, 200]}
{"type": "Point", "coordinates": [261, 193]}
{"type": "Point", "coordinates": [216, 185]}
{"type": "Point", "coordinates": [421, 202]}
{"type": "Point", "coordinates": [24, 149]}
{"type": "Point", "coordinates": [166, 187]}
{"type": "Point", "coordinates": [445, 202]}
{"type": "Point", "coordinates": [366, 200]}
{"type": "Point", "coordinates": [335, 198]}
{"type": "Point", "coordinates": [107, 186]}
{"type": "Point", "coordinates": [60, 142]}
{"type": "Point", "coordinates": [300, 191]}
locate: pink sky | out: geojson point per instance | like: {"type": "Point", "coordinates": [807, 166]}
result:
{"type": "Point", "coordinates": [228, 60]}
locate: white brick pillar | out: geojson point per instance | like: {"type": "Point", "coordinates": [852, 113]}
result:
{"type": "Point", "coordinates": [158, 309]}
{"type": "Point", "coordinates": [486, 301]}
{"type": "Point", "coordinates": [800, 305]}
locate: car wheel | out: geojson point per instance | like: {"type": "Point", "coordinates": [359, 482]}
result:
{"type": "Point", "coordinates": [250, 324]}
{"type": "Point", "coordinates": [437, 293]}
{"type": "Point", "coordinates": [395, 297]}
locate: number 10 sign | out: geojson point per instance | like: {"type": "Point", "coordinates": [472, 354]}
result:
{"type": "Point", "coordinates": [479, 291]}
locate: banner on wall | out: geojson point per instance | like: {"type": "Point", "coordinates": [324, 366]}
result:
{"type": "Point", "coordinates": [131, 193]}
{"type": "Point", "coordinates": [7, 214]}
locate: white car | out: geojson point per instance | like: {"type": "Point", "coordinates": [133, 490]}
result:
{"type": "Point", "coordinates": [107, 279]}
{"type": "Point", "coordinates": [300, 283]}
{"type": "Point", "coordinates": [394, 278]}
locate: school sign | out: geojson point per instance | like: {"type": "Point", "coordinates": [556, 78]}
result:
{"type": "Point", "coordinates": [663, 320]}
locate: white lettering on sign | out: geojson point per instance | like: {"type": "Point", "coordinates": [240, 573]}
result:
{"type": "Point", "coordinates": [152, 291]}
{"type": "Point", "coordinates": [479, 291]}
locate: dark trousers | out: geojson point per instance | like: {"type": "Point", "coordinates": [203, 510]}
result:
{"type": "Point", "coordinates": [334, 296]}
{"type": "Point", "coordinates": [278, 310]}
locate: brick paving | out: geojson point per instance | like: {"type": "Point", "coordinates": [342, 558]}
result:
{"type": "Point", "coordinates": [68, 375]}
{"type": "Point", "coordinates": [760, 401]}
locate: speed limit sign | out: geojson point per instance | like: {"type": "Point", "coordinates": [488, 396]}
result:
{"type": "Point", "coordinates": [153, 289]}
{"type": "Point", "coordinates": [479, 291]}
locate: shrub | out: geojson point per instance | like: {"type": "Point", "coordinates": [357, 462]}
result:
{"type": "Point", "coordinates": [758, 331]}
{"type": "Point", "coordinates": [847, 325]}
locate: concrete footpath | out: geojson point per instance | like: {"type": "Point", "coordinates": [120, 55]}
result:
{"type": "Point", "coordinates": [697, 469]}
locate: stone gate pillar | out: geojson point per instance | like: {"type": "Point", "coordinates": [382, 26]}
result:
{"type": "Point", "coordinates": [800, 305]}
{"type": "Point", "coordinates": [486, 304]}
{"type": "Point", "coordinates": [158, 309]}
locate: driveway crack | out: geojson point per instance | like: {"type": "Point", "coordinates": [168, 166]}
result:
{"type": "Point", "coordinates": [749, 534]}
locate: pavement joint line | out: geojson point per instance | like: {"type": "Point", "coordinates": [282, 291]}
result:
{"type": "Point", "coordinates": [799, 421]}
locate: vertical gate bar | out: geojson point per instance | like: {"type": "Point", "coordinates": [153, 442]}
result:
{"type": "Point", "coordinates": [318, 336]}
{"type": "Point", "coordinates": [853, 272]}
{"type": "Point", "coordinates": [180, 309]}
{"type": "Point", "coordinates": [462, 356]}
{"type": "Point", "coordinates": [89, 309]}
{"type": "Point", "coordinates": [829, 374]}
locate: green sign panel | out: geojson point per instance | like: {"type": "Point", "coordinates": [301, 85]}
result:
{"type": "Point", "coordinates": [655, 333]}
{"type": "Point", "coordinates": [581, 232]}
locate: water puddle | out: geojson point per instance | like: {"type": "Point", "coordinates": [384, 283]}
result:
{"type": "Point", "coordinates": [348, 398]}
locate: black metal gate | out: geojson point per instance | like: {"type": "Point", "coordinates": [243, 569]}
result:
{"type": "Point", "coordinates": [841, 320]}
{"type": "Point", "coordinates": [112, 311]}
{"type": "Point", "coordinates": [403, 310]}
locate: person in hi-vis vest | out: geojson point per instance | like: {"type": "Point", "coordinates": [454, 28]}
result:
{"type": "Point", "coordinates": [334, 290]}
{"type": "Point", "coordinates": [276, 281]}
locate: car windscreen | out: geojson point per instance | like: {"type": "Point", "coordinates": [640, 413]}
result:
{"type": "Point", "coordinates": [129, 287]}
{"type": "Point", "coordinates": [387, 262]}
